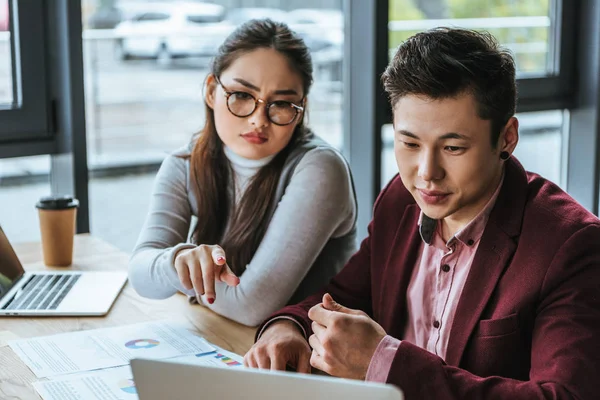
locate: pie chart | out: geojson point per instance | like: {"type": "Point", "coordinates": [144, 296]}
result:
{"type": "Point", "coordinates": [127, 386]}
{"type": "Point", "coordinates": [142, 344]}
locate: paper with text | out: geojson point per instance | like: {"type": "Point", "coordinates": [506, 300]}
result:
{"type": "Point", "coordinates": [73, 352]}
{"type": "Point", "coordinates": [117, 383]}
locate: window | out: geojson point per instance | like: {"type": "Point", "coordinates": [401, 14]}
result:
{"type": "Point", "coordinates": [6, 69]}
{"type": "Point", "coordinates": [144, 99]}
{"type": "Point", "coordinates": [23, 102]}
{"type": "Point", "coordinates": [525, 27]}
{"type": "Point", "coordinates": [532, 31]}
{"type": "Point", "coordinates": [23, 181]}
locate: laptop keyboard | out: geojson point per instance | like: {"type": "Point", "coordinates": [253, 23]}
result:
{"type": "Point", "coordinates": [43, 292]}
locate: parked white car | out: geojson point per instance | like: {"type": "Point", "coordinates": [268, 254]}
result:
{"type": "Point", "coordinates": [323, 33]}
{"type": "Point", "coordinates": [166, 30]}
{"type": "Point", "coordinates": [320, 28]}
{"type": "Point", "coordinates": [215, 34]}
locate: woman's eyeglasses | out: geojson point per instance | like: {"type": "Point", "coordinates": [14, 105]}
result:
{"type": "Point", "coordinates": [242, 104]}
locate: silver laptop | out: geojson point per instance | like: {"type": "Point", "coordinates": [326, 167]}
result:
{"type": "Point", "coordinates": [51, 293]}
{"type": "Point", "coordinates": [159, 380]}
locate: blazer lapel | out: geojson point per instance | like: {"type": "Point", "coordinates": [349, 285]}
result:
{"type": "Point", "coordinates": [493, 255]}
{"type": "Point", "coordinates": [498, 244]}
{"type": "Point", "coordinates": [398, 270]}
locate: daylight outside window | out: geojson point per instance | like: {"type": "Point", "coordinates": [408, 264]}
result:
{"type": "Point", "coordinates": [527, 29]}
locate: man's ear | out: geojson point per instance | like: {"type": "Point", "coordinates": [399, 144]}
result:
{"type": "Point", "coordinates": [510, 136]}
{"type": "Point", "coordinates": [210, 86]}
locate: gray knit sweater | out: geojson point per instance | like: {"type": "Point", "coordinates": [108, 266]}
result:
{"type": "Point", "coordinates": [311, 234]}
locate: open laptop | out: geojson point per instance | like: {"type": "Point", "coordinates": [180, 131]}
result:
{"type": "Point", "coordinates": [159, 380]}
{"type": "Point", "coordinates": [51, 293]}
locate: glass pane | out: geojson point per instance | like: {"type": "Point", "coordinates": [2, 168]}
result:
{"type": "Point", "coordinates": [143, 88]}
{"type": "Point", "coordinates": [119, 202]}
{"type": "Point", "coordinates": [525, 27]}
{"type": "Point", "coordinates": [23, 180]}
{"type": "Point", "coordinates": [6, 72]}
{"type": "Point", "coordinates": [540, 146]}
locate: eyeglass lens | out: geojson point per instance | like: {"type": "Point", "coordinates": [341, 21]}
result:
{"type": "Point", "coordinates": [279, 112]}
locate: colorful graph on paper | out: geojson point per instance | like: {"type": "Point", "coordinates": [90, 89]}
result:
{"type": "Point", "coordinates": [142, 344]}
{"type": "Point", "coordinates": [230, 362]}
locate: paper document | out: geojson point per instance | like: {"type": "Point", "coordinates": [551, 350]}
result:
{"type": "Point", "coordinates": [68, 353]}
{"type": "Point", "coordinates": [107, 384]}
{"type": "Point", "coordinates": [117, 383]}
{"type": "Point", "coordinates": [219, 358]}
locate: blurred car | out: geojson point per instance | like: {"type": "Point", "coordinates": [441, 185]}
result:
{"type": "Point", "coordinates": [4, 17]}
{"type": "Point", "coordinates": [215, 34]}
{"type": "Point", "coordinates": [166, 30]}
{"type": "Point", "coordinates": [323, 33]}
{"type": "Point", "coordinates": [105, 18]}
{"type": "Point", "coordinates": [320, 28]}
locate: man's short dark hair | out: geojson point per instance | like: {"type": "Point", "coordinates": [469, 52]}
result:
{"type": "Point", "coordinates": [446, 62]}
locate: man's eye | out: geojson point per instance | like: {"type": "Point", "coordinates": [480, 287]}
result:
{"type": "Point", "coordinates": [454, 149]}
{"type": "Point", "coordinates": [410, 145]}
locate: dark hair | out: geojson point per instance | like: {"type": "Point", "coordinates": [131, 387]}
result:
{"type": "Point", "coordinates": [210, 170]}
{"type": "Point", "coordinates": [445, 62]}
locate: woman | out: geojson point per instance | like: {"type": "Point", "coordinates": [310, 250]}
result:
{"type": "Point", "coordinates": [275, 205]}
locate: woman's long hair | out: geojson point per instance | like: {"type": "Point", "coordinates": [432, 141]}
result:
{"type": "Point", "coordinates": [210, 170]}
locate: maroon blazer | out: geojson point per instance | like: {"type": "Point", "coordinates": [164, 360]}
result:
{"type": "Point", "coordinates": [527, 324]}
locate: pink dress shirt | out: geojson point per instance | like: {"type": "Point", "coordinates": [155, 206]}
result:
{"type": "Point", "coordinates": [435, 287]}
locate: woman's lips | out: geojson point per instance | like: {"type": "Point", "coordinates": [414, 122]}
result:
{"type": "Point", "coordinates": [255, 138]}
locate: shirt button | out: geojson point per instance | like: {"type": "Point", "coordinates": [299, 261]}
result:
{"type": "Point", "coordinates": [445, 268]}
{"type": "Point", "coordinates": [471, 242]}
{"type": "Point", "coordinates": [436, 324]}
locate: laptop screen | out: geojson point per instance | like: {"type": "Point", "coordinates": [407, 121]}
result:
{"type": "Point", "coordinates": [10, 266]}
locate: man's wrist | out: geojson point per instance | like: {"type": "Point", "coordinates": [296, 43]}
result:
{"type": "Point", "coordinates": [281, 320]}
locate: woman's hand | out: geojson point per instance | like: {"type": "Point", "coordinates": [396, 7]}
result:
{"type": "Point", "coordinates": [198, 268]}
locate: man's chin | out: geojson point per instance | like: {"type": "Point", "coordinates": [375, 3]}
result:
{"type": "Point", "coordinates": [435, 212]}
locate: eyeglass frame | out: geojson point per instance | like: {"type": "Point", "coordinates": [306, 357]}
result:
{"type": "Point", "coordinates": [228, 94]}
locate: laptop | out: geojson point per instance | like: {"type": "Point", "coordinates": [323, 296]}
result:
{"type": "Point", "coordinates": [53, 293]}
{"type": "Point", "coordinates": [164, 379]}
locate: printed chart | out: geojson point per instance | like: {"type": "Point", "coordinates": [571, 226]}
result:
{"type": "Point", "coordinates": [106, 348]}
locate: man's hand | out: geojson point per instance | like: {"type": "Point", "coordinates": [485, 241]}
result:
{"type": "Point", "coordinates": [344, 340]}
{"type": "Point", "coordinates": [281, 344]}
{"type": "Point", "coordinates": [200, 267]}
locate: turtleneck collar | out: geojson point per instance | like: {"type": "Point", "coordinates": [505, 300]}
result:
{"type": "Point", "coordinates": [245, 166]}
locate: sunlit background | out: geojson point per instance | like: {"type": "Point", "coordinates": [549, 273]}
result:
{"type": "Point", "coordinates": [145, 63]}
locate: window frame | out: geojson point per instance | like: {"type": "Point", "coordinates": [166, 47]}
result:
{"type": "Point", "coordinates": [28, 118]}
{"type": "Point", "coordinates": [52, 117]}
{"type": "Point", "coordinates": [371, 111]}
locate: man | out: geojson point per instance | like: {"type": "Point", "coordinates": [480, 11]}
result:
{"type": "Point", "coordinates": [477, 280]}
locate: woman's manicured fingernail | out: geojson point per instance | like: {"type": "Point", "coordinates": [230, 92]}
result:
{"type": "Point", "coordinates": [221, 259]}
{"type": "Point", "coordinates": [210, 300]}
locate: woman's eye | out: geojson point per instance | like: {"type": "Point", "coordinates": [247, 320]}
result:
{"type": "Point", "coordinates": [242, 95]}
{"type": "Point", "coordinates": [281, 104]}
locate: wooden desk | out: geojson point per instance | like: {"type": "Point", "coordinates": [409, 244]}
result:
{"type": "Point", "coordinates": [94, 254]}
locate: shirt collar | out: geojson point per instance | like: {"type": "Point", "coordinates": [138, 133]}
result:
{"type": "Point", "coordinates": [470, 233]}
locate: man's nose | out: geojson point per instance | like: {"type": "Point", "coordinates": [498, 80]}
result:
{"type": "Point", "coordinates": [429, 166]}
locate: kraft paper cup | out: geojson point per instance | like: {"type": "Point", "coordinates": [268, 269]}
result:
{"type": "Point", "coordinates": [57, 226]}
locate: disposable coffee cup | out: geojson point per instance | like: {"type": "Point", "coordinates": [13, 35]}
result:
{"type": "Point", "coordinates": [57, 225]}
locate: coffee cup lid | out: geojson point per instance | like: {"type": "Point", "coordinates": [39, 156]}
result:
{"type": "Point", "coordinates": [57, 203]}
